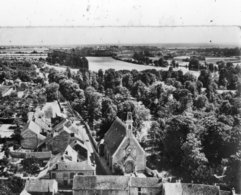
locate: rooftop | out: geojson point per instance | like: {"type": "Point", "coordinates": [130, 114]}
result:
{"type": "Point", "coordinates": [45, 185]}
{"type": "Point", "coordinates": [115, 135]}
{"type": "Point", "coordinates": [114, 182]}
{"type": "Point", "coordinates": [74, 166]}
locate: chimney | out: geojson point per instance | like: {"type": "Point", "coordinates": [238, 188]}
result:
{"type": "Point", "coordinates": [129, 124]}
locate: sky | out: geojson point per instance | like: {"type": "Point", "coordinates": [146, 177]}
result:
{"type": "Point", "coordinates": [132, 20]}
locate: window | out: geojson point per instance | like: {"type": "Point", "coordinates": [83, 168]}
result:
{"type": "Point", "coordinates": [139, 191]}
{"type": "Point", "coordinates": [72, 175]}
{"type": "Point", "coordinates": [65, 182]}
{"type": "Point", "coordinates": [53, 175]}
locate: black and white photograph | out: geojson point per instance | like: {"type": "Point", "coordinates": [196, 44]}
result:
{"type": "Point", "coordinates": [120, 97]}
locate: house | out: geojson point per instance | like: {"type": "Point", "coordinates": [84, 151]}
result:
{"type": "Point", "coordinates": [58, 123]}
{"type": "Point", "coordinates": [70, 154]}
{"type": "Point", "coordinates": [41, 187]}
{"type": "Point", "coordinates": [121, 147]}
{"type": "Point", "coordinates": [81, 149]}
{"type": "Point", "coordinates": [58, 141]}
{"type": "Point", "coordinates": [116, 185]}
{"type": "Point", "coordinates": [64, 172]}
{"type": "Point", "coordinates": [31, 136]}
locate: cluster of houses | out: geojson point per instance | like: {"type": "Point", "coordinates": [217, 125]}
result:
{"type": "Point", "coordinates": [71, 161]}
{"type": "Point", "coordinates": [59, 142]}
{"type": "Point", "coordinates": [71, 158]}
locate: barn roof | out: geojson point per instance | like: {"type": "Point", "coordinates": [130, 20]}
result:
{"type": "Point", "coordinates": [115, 135]}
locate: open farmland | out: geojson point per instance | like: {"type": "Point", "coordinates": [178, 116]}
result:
{"type": "Point", "coordinates": [104, 63]}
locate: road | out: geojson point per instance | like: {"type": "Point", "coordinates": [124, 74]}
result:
{"type": "Point", "coordinates": [101, 166]}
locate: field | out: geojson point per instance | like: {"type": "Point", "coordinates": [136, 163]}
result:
{"type": "Point", "coordinates": [104, 63]}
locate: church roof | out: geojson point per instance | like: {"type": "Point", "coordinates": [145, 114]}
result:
{"type": "Point", "coordinates": [115, 135]}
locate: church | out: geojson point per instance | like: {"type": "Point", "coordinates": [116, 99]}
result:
{"type": "Point", "coordinates": [120, 147]}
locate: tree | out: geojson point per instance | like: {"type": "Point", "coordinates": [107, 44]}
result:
{"type": "Point", "coordinates": [31, 165]}
{"type": "Point", "coordinates": [155, 135]}
{"type": "Point", "coordinates": [52, 92]}
{"type": "Point", "coordinates": [93, 105]}
{"type": "Point", "coordinates": [68, 72]}
{"type": "Point", "coordinates": [200, 102]}
{"type": "Point", "coordinates": [175, 135]}
{"type": "Point", "coordinates": [194, 162]}
{"type": "Point", "coordinates": [112, 79]}
{"type": "Point", "coordinates": [205, 77]}
{"type": "Point", "coordinates": [194, 64]}
{"type": "Point", "coordinates": [127, 80]}
{"type": "Point", "coordinates": [139, 90]}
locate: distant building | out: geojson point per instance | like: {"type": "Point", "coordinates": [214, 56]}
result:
{"type": "Point", "coordinates": [121, 147]}
{"type": "Point", "coordinates": [116, 185]}
{"type": "Point", "coordinates": [43, 187]}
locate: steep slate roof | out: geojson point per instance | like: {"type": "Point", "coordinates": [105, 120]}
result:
{"type": "Point", "coordinates": [115, 135]}
{"type": "Point", "coordinates": [35, 185]}
{"type": "Point", "coordinates": [61, 141]}
{"type": "Point", "coordinates": [100, 182]}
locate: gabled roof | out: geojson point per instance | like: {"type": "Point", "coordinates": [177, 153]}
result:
{"type": "Point", "coordinates": [59, 143]}
{"type": "Point", "coordinates": [33, 127]}
{"type": "Point", "coordinates": [44, 124]}
{"type": "Point", "coordinates": [115, 135]}
{"type": "Point", "coordinates": [43, 185]}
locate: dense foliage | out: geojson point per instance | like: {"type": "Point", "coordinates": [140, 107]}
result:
{"type": "Point", "coordinates": [72, 58]}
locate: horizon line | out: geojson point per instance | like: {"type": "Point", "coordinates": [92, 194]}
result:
{"type": "Point", "coordinates": [114, 26]}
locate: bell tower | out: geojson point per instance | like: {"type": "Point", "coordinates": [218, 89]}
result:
{"type": "Point", "coordinates": [129, 124]}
